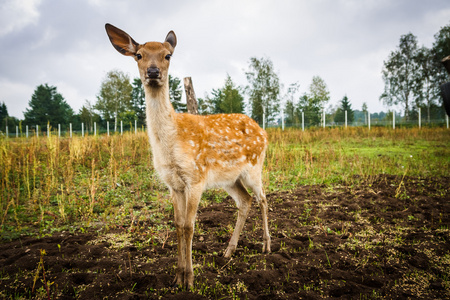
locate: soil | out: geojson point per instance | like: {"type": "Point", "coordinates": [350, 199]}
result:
{"type": "Point", "coordinates": [386, 238]}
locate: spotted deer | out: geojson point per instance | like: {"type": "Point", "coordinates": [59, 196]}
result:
{"type": "Point", "coordinates": [192, 153]}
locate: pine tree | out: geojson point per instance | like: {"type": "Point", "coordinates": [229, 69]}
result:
{"type": "Point", "coordinates": [175, 92]}
{"type": "Point", "coordinates": [340, 113]}
{"type": "Point", "coordinates": [232, 101]}
{"type": "Point", "coordinates": [47, 106]}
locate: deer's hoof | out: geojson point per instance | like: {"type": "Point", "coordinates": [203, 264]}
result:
{"type": "Point", "coordinates": [229, 251]}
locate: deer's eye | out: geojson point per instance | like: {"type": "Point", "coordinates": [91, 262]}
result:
{"type": "Point", "coordinates": [168, 56]}
{"type": "Point", "coordinates": [138, 56]}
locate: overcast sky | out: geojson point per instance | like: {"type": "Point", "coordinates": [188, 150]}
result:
{"type": "Point", "coordinates": [63, 43]}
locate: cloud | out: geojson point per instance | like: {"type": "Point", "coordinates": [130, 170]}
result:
{"type": "Point", "coordinates": [63, 43]}
{"type": "Point", "coordinates": [15, 15]}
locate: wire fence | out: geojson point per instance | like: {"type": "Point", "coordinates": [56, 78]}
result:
{"type": "Point", "coordinates": [121, 128]}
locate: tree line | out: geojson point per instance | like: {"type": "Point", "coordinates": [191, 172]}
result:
{"type": "Point", "coordinates": [412, 76]}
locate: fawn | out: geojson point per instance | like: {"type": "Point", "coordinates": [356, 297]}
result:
{"type": "Point", "coordinates": [192, 153]}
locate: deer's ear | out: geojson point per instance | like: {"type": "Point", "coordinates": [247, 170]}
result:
{"type": "Point", "coordinates": [171, 38]}
{"type": "Point", "coordinates": [121, 40]}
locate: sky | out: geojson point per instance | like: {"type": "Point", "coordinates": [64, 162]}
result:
{"type": "Point", "coordinates": [63, 43]}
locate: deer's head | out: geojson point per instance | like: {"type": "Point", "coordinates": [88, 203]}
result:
{"type": "Point", "coordinates": [153, 58]}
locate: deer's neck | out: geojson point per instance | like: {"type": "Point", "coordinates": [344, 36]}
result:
{"type": "Point", "coordinates": [160, 119]}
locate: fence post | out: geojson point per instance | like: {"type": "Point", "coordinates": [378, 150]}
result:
{"type": "Point", "coordinates": [82, 129]}
{"type": "Point", "coordinates": [48, 130]}
{"type": "Point", "coordinates": [37, 130]}
{"type": "Point", "coordinates": [95, 128]}
{"type": "Point", "coordinates": [324, 118]}
{"type": "Point", "coordinates": [368, 119]}
{"type": "Point", "coordinates": [121, 127]}
{"type": "Point", "coordinates": [282, 120]}
{"type": "Point", "coordinates": [303, 121]}
{"type": "Point", "coordinates": [264, 117]}
{"type": "Point", "coordinates": [17, 131]}
{"type": "Point", "coordinates": [446, 116]}
{"type": "Point", "coordinates": [346, 119]}
{"type": "Point", "coordinates": [26, 131]}
{"type": "Point", "coordinates": [59, 130]}
{"type": "Point", "coordinates": [6, 131]}
{"type": "Point", "coordinates": [393, 119]}
{"type": "Point", "coordinates": [70, 125]}
{"type": "Point", "coordinates": [420, 119]}
{"type": "Point", "coordinates": [135, 126]}
{"type": "Point", "coordinates": [107, 127]}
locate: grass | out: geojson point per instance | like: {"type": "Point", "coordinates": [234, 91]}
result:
{"type": "Point", "coordinates": [52, 184]}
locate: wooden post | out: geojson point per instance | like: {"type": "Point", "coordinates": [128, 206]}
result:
{"type": "Point", "coordinates": [191, 100]}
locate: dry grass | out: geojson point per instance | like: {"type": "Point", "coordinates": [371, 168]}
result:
{"type": "Point", "coordinates": [50, 181]}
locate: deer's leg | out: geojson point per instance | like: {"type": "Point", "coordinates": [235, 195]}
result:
{"type": "Point", "coordinates": [254, 182]}
{"type": "Point", "coordinates": [192, 200]}
{"type": "Point", "coordinates": [243, 202]}
{"type": "Point", "coordinates": [179, 207]}
{"type": "Point", "coordinates": [264, 211]}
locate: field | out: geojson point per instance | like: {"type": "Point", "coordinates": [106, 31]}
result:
{"type": "Point", "coordinates": [353, 214]}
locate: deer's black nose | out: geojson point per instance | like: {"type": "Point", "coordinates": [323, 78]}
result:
{"type": "Point", "coordinates": [153, 72]}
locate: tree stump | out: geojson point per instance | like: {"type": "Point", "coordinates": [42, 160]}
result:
{"type": "Point", "coordinates": [191, 100]}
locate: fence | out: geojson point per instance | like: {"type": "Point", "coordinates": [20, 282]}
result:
{"type": "Point", "coordinates": [368, 122]}
{"type": "Point", "coordinates": [47, 130]}
{"type": "Point", "coordinates": [40, 131]}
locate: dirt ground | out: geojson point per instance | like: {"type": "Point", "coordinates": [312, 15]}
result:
{"type": "Point", "coordinates": [386, 238]}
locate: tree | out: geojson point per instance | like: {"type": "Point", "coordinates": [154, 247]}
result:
{"type": "Point", "coordinates": [203, 106]}
{"type": "Point", "coordinates": [365, 110]}
{"type": "Point", "coordinates": [440, 49]}
{"type": "Point", "coordinates": [3, 115]}
{"type": "Point", "coordinates": [227, 99]}
{"type": "Point", "coordinates": [313, 103]}
{"type": "Point", "coordinates": [263, 89]}
{"type": "Point", "coordinates": [115, 96]}
{"type": "Point", "coordinates": [88, 116]}
{"type": "Point", "coordinates": [340, 112]}
{"type": "Point", "coordinates": [138, 100]}
{"type": "Point", "coordinates": [232, 101]}
{"type": "Point", "coordinates": [311, 107]}
{"type": "Point", "coordinates": [47, 106]}
{"type": "Point", "coordinates": [424, 80]}
{"type": "Point", "coordinates": [399, 74]}
{"type": "Point", "coordinates": [213, 101]}
{"type": "Point", "coordinates": [290, 115]}
{"type": "Point", "coordinates": [175, 92]}
{"type": "Point", "coordinates": [319, 91]}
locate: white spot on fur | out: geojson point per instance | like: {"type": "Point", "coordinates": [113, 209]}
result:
{"type": "Point", "coordinates": [191, 142]}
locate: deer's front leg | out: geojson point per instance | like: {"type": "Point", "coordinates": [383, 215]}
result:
{"type": "Point", "coordinates": [179, 208]}
{"type": "Point", "coordinates": [193, 198]}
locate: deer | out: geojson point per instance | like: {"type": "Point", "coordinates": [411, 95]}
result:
{"type": "Point", "coordinates": [192, 153]}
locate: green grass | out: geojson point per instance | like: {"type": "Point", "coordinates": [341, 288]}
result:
{"type": "Point", "coordinates": [349, 155]}
{"type": "Point", "coordinates": [51, 184]}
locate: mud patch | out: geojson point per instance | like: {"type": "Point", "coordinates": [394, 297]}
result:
{"type": "Point", "coordinates": [387, 238]}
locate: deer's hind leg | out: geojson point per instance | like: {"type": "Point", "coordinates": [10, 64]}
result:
{"type": "Point", "coordinates": [254, 182]}
{"type": "Point", "coordinates": [243, 202]}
